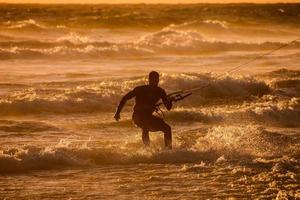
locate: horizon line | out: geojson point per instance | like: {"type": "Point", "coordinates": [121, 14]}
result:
{"type": "Point", "coordinates": [30, 3]}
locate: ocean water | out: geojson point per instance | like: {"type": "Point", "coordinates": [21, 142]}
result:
{"type": "Point", "coordinates": [64, 68]}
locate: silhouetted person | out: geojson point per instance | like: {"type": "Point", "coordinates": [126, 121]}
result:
{"type": "Point", "coordinates": [146, 97]}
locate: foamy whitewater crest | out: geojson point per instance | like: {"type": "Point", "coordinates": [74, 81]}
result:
{"type": "Point", "coordinates": [283, 73]}
{"type": "Point", "coordinates": [284, 82]}
{"type": "Point", "coordinates": [67, 52]}
{"type": "Point", "coordinates": [62, 102]}
{"type": "Point", "coordinates": [170, 38]}
{"type": "Point", "coordinates": [29, 24]}
{"type": "Point", "coordinates": [64, 154]}
{"type": "Point", "coordinates": [283, 113]}
{"type": "Point", "coordinates": [168, 41]}
{"type": "Point", "coordinates": [290, 87]}
{"type": "Point", "coordinates": [215, 26]}
{"type": "Point", "coordinates": [219, 88]}
{"type": "Point", "coordinates": [222, 24]}
{"type": "Point", "coordinates": [83, 97]}
{"type": "Point", "coordinates": [221, 144]}
{"type": "Point", "coordinates": [174, 41]}
{"type": "Point", "coordinates": [248, 141]}
{"type": "Point", "coordinates": [104, 95]}
{"type": "Point", "coordinates": [224, 31]}
{"type": "Point", "coordinates": [75, 38]}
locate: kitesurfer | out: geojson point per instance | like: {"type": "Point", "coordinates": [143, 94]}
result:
{"type": "Point", "coordinates": [146, 98]}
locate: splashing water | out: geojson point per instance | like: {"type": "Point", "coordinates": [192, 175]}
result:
{"type": "Point", "coordinates": [64, 69]}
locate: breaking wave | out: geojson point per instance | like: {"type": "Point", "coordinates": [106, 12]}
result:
{"type": "Point", "coordinates": [254, 141]}
{"type": "Point", "coordinates": [284, 113]}
{"type": "Point", "coordinates": [284, 73]}
{"type": "Point", "coordinates": [226, 99]}
{"type": "Point", "coordinates": [146, 16]}
{"type": "Point", "coordinates": [166, 41]}
{"type": "Point", "coordinates": [29, 24]}
{"type": "Point", "coordinates": [281, 113]}
{"type": "Point", "coordinates": [104, 95]}
{"type": "Point", "coordinates": [220, 144]}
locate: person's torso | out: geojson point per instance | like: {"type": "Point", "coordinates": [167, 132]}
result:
{"type": "Point", "coordinates": [146, 98]}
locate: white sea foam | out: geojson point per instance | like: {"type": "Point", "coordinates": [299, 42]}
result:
{"type": "Point", "coordinates": [102, 96]}
{"type": "Point", "coordinates": [75, 38]}
{"type": "Point", "coordinates": [224, 143]}
{"type": "Point", "coordinates": [170, 40]}
{"type": "Point", "coordinates": [29, 24]}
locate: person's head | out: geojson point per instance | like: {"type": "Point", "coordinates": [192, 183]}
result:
{"type": "Point", "coordinates": [153, 78]}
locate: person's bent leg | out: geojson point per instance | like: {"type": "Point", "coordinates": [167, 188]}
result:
{"type": "Point", "coordinates": [158, 124]}
{"type": "Point", "coordinates": [168, 136]}
{"type": "Point", "coordinates": [145, 137]}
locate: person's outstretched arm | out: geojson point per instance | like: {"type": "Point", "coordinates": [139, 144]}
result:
{"type": "Point", "coordinates": [168, 104]}
{"type": "Point", "coordinates": [123, 101]}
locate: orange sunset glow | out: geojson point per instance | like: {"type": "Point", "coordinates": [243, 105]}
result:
{"type": "Point", "coordinates": [149, 99]}
{"type": "Point", "coordinates": [144, 1]}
